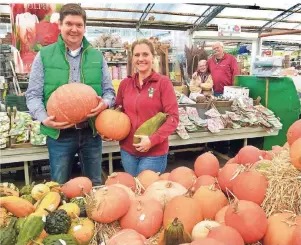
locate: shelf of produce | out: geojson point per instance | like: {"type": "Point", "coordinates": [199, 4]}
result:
{"type": "Point", "coordinates": [27, 155]}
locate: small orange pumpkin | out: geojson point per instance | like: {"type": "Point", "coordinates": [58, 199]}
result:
{"type": "Point", "coordinates": [248, 155]}
{"type": "Point", "coordinates": [227, 235]}
{"type": "Point", "coordinates": [147, 177]}
{"type": "Point", "coordinates": [77, 187]}
{"type": "Point", "coordinates": [164, 176]}
{"type": "Point", "coordinates": [184, 176]}
{"type": "Point", "coordinates": [206, 164]}
{"type": "Point", "coordinates": [107, 204]}
{"type": "Point", "coordinates": [122, 178]}
{"type": "Point", "coordinates": [250, 186]}
{"type": "Point", "coordinates": [295, 154]}
{"type": "Point", "coordinates": [211, 200]}
{"type": "Point", "coordinates": [225, 176]}
{"type": "Point", "coordinates": [281, 227]}
{"type": "Point", "coordinates": [294, 132]}
{"type": "Point", "coordinates": [186, 209]}
{"type": "Point", "coordinates": [144, 216]}
{"type": "Point", "coordinates": [220, 215]}
{"type": "Point", "coordinates": [204, 180]}
{"type": "Point", "coordinates": [113, 124]}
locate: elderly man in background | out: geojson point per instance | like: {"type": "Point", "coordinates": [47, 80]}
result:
{"type": "Point", "coordinates": [223, 68]}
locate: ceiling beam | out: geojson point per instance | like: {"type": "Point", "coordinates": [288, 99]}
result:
{"type": "Point", "coordinates": [279, 17]}
{"type": "Point", "coordinates": [144, 15]}
{"type": "Point", "coordinates": [250, 7]}
{"type": "Point", "coordinates": [210, 13]}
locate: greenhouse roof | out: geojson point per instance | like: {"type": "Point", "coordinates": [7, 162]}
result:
{"type": "Point", "coordinates": [251, 16]}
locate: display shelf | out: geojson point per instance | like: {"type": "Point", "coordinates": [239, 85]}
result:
{"type": "Point", "coordinates": [113, 49]}
{"type": "Point", "coordinates": [117, 62]}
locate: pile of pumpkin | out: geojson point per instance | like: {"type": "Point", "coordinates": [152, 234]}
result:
{"type": "Point", "coordinates": [203, 206]}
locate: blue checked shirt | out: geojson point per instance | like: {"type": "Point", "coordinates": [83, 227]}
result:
{"type": "Point", "coordinates": [34, 93]}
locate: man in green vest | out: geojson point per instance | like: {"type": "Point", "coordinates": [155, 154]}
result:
{"type": "Point", "coordinates": [70, 59]}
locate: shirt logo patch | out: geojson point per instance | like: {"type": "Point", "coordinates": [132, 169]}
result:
{"type": "Point", "coordinates": [151, 92]}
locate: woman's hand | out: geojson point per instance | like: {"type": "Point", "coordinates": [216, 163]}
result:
{"type": "Point", "coordinates": [144, 145]}
{"type": "Point", "coordinates": [194, 75]}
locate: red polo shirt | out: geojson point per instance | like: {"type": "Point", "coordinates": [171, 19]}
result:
{"type": "Point", "coordinates": [223, 72]}
{"type": "Point", "coordinates": [141, 103]}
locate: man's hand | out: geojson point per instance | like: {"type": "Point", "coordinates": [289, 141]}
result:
{"type": "Point", "coordinates": [98, 109]}
{"type": "Point", "coordinates": [194, 75]}
{"type": "Point", "coordinates": [49, 122]}
{"type": "Point", "coordinates": [144, 145]}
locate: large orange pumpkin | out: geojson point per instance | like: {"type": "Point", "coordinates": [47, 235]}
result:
{"type": "Point", "coordinates": [281, 227]}
{"type": "Point", "coordinates": [211, 200]}
{"type": "Point", "coordinates": [226, 234]}
{"type": "Point", "coordinates": [72, 102]}
{"type": "Point", "coordinates": [205, 180]}
{"type": "Point", "coordinates": [186, 209]}
{"type": "Point", "coordinates": [147, 177]}
{"type": "Point", "coordinates": [77, 187]}
{"type": "Point", "coordinates": [184, 176]}
{"type": "Point", "coordinates": [250, 186]}
{"type": "Point", "coordinates": [144, 216]}
{"type": "Point", "coordinates": [107, 204]}
{"type": "Point", "coordinates": [295, 153]}
{"type": "Point", "coordinates": [248, 155]}
{"type": "Point", "coordinates": [206, 164]}
{"type": "Point", "coordinates": [225, 176]}
{"type": "Point", "coordinates": [122, 178]}
{"type": "Point", "coordinates": [248, 218]}
{"type": "Point", "coordinates": [297, 235]}
{"type": "Point", "coordinates": [113, 124]}
{"type": "Point", "coordinates": [294, 132]}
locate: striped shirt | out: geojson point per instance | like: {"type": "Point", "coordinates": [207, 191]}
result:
{"type": "Point", "coordinates": [34, 93]}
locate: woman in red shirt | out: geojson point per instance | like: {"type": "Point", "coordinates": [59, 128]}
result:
{"type": "Point", "coordinates": [142, 96]}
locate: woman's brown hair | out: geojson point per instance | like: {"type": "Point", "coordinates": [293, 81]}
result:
{"type": "Point", "coordinates": [146, 42]}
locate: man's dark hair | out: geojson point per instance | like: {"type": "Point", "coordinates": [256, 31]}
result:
{"type": "Point", "coordinates": [72, 9]}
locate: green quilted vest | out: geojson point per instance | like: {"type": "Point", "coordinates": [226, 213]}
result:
{"type": "Point", "coordinates": [57, 70]}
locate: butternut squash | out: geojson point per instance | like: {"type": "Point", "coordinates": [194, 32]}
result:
{"type": "Point", "coordinates": [18, 206]}
{"type": "Point", "coordinates": [50, 202]}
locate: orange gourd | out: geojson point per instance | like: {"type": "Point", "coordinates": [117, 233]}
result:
{"type": "Point", "coordinates": [220, 215]}
{"type": "Point", "coordinates": [107, 204]}
{"type": "Point", "coordinates": [211, 200]}
{"type": "Point", "coordinates": [297, 235]}
{"type": "Point", "coordinates": [144, 216]}
{"type": "Point", "coordinates": [204, 180]}
{"type": "Point", "coordinates": [294, 132]}
{"type": "Point", "coordinates": [147, 177]}
{"type": "Point", "coordinates": [113, 124]}
{"type": "Point", "coordinates": [72, 102]}
{"type": "Point", "coordinates": [226, 234]}
{"type": "Point", "coordinates": [82, 229]}
{"type": "Point", "coordinates": [186, 209]}
{"type": "Point", "coordinates": [248, 218]}
{"type": "Point", "coordinates": [206, 164]}
{"type": "Point", "coordinates": [281, 228]}
{"type": "Point", "coordinates": [251, 186]}
{"type": "Point", "coordinates": [129, 191]}
{"type": "Point", "coordinates": [248, 155]}
{"type": "Point", "coordinates": [18, 206]}
{"type": "Point", "coordinates": [184, 176]}
{"type": "Point", "coordinates": [76, 187]}
{"type": "Point", "coordinates": [127, 237]}
{"type": "Point", "coordinates": [295, 154]}
{"type": "Point", "coordinates": [164, 176]}
{"type": "Point", "coordinates": [231, 160]}
{"type": "Point", "coordinates": [225, 176]}
{"type": "Point", "coordinates": [122, 178]}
